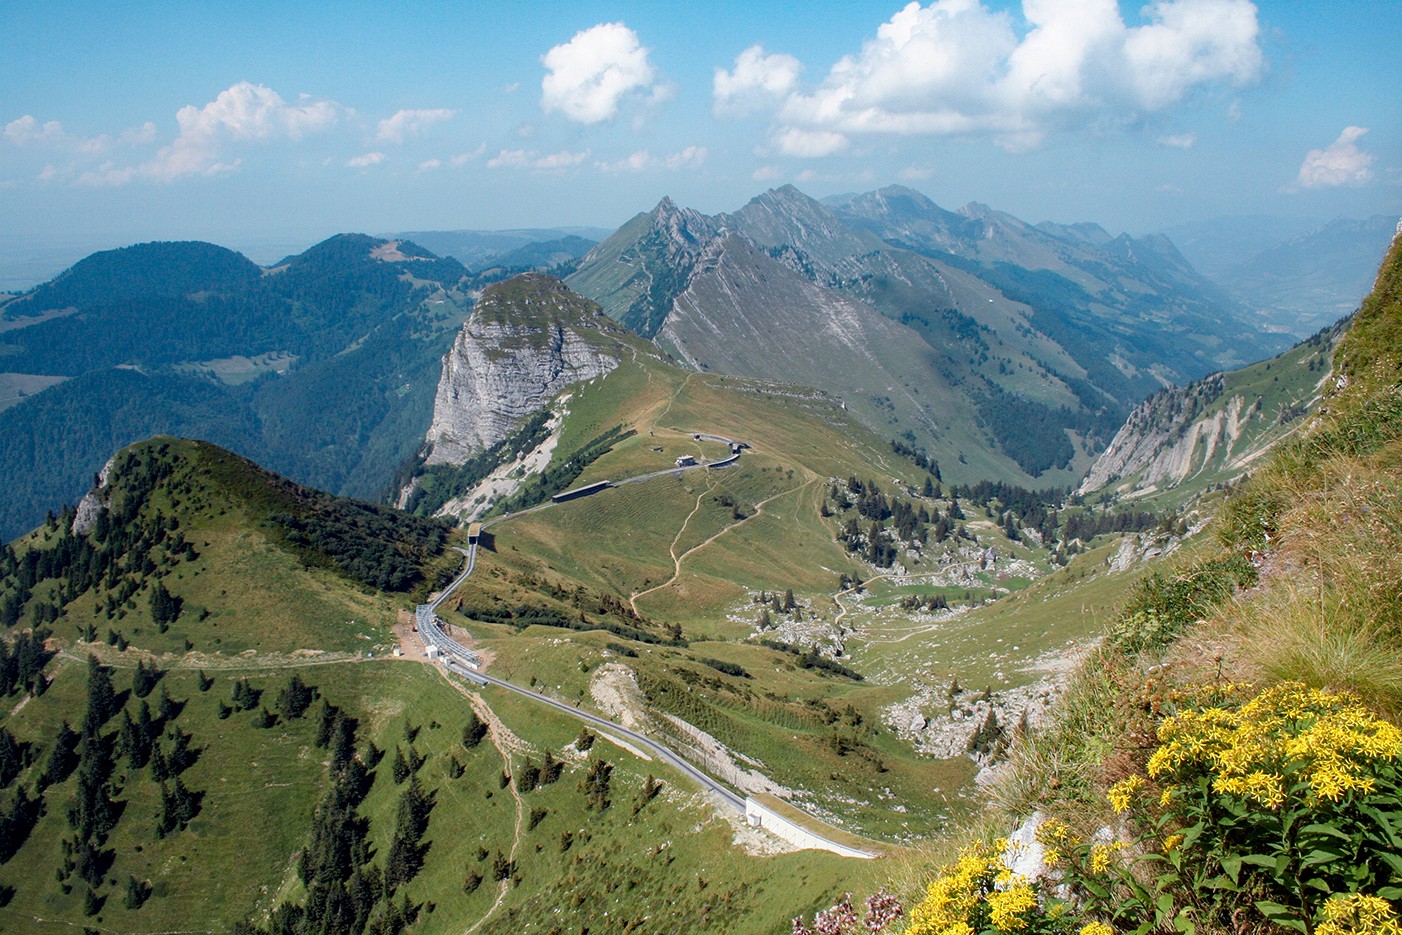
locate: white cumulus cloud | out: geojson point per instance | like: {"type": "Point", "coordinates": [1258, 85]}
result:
{"type": "Point", "coordinates": [462, 159]}
{"type": "Point", "coordinates": [959, 67]}
{"type": "Point", "coordinates": [808, 144]}
{"type": "Point", "coordinates": [1179, 140]}
{"type": "Point", "coordinates": [692, 157]}
{"type": "Point", "coordinates": [243, 112]}
{"type": "Point", "coordinates": [408, 123]}
{"type": "Point", "coordinates": [757, 81]}
{"type": "Point", "coordinates": [1339, 163]}
{"type": "Point", "coordinates": [208, 142]}
{"type": "Point", "coordinates": [530, 159]}
{"type": "Point", "coordinates": [27, 130]}
{"type": "Point", "coordinates": [588, 77]}
{"type": "Point", "coordinates": [365, 160]}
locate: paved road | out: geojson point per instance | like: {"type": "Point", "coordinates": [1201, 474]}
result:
{"type": "Point", "coordinates": [464, 662]}
{"type": "Point", "coordinates": [737, 803]}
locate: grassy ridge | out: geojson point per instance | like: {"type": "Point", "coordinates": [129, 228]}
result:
{"type": "Point", "coordinates": [1318, 528]}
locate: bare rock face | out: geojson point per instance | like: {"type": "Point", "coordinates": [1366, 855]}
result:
{"type": "Point", "coordinates": [93, 502]}
{"type": "Point", "coordinates": [527, 339]}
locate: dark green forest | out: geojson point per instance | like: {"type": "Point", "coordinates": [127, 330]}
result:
{"type": "Point", "coordinates": [366, 332]}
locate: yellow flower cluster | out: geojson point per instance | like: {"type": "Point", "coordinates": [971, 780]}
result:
{"type": "Point", "coordinates": [973, 894]}
{"type": "Point", "coordinates": [1008, 908]}
{"type": "Point", "coordinates": [1328, 738]}
{"type": "Point", "coordinates": [1122, 793]}
{"type": "Point", "coordinates": [1358, 914]}
{"type": "Point", "coordinates": [1096, 928]}
{"type": "Point", "coordinates": [1100, 856]}
{"type": "Point", "coordinates": [951, 900]}
{"type": "Point", "coordinates": [1056, 837]}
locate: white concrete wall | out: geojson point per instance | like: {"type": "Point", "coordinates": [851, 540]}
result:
{"type": "Point", "coordinates": [776, 824]}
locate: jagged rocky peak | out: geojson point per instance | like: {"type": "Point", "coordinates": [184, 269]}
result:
{"type": "Point", "coordinates": [681, 224]}
{"type": "Point", "coordinates": [527, 339]}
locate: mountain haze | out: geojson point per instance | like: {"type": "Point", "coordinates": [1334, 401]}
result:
{"type": "Point", "coordinates": [194, 339]}
{"type": "Point", "coordinates": [1006, 350]}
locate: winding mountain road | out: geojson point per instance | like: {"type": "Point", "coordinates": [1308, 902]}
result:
{"type": "Point", "coordinates": [463, 662]}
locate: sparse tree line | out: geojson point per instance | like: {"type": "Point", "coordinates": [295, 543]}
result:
{"type": "Point", "coordinates": [124, 550]}
{"type": "Point", "coordinates": [91, 757]}
{"type": "Point", "coordinates": [1061, 523]}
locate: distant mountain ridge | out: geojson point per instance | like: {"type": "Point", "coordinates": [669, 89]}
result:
{"type": "Point", "coordinates": [479, 249]}
{"type": "Point", "coordinates": [1296, 274]}
{"type": "Point", "coordinates": [1003, 347]}
{"type": "Point", "coordinates": [194, 339]}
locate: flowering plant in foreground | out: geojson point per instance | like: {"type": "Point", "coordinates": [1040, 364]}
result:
{"type": "Point", "coordinates": [979, 894]}
{"type": "Point", "coordinates": [1279, 802]}
{"type": "Point", "coordinates": [841, 919]}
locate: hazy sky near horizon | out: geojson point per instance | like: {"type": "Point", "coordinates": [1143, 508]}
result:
{"type": "Point", "coordinates": [287, 121]}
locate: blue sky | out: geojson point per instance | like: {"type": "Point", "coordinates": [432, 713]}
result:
{"type": "Point", "coordinates": [282, 123]}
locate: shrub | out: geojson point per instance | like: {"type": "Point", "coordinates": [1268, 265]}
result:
{"type": "Point", "coordinates": [1274, 803]}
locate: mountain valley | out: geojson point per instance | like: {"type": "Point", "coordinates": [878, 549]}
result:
{"type": "Point", "coordinates": [831, 499]}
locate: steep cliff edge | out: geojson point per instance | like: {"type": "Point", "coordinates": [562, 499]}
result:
{"type": "Point", "coordinates": [527, 339]}
{"type": "Point", "coordinates": [1183, 440]}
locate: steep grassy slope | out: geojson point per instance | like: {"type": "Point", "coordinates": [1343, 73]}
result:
{"type": "Point", "coordinates": [1194, 731]}
{"type": "Point", "coordinates": [628, 593]}
{"type": "Point", "coordinates": [1185, 440]}
{"type": "Point", "coordinates": [231, 582]}
{"type": "Point", "coordinates": [196, 520]}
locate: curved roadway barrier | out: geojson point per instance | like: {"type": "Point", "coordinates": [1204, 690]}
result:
{"type": "Point", "coordinates": [465, 663]}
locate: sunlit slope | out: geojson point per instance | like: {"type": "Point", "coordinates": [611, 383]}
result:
{"type": "Point", "coordinates": [250, 561]}
{"type": "Point", "coordinates": [696, 544]}
{"type": "Point", "coordinates": [1185, 440]}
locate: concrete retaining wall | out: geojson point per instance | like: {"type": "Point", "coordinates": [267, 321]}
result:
{"type": "Point", "coordinates": [764, 817]}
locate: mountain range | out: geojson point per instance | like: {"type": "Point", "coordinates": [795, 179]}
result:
{"type": "Point", "coordinates": [1000, 349]}
{"type": "Point", "coordinates": [1005, 350]}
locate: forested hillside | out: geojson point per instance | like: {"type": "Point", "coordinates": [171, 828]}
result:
{"type": "Point", "coordinates": [195, 340]}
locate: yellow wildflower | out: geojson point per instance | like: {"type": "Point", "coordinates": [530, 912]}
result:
{"type": "Point", "coordinates": [1329, 738]}
{"type": "Point", "coordinates": [1122, 792]}
{"type": "Point", "coordinates": [1099, 858]}
{"type": "Point", "coordinates": [1358, 914]}
{"type": "Point", "coordinates": [1006, 907]}
{"type": "Point", "coordinates": [1096, 928]}
{"type": "Point", "coordinates": [1170, 843]}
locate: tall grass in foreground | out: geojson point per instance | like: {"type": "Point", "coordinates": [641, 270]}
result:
{"type": "Point", "coordinates": [1305, 588]}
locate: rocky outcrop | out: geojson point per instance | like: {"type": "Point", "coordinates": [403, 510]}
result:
{"type": "Point", "coordinates": [93, 502]}
{"type": "Point", "coordinates": [527, 339]}
{"type": "Point", "coordinates": [1168, 438]}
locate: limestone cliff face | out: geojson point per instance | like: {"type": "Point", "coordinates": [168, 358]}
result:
{"type": "Point", "coordinates": [1215, 429]}
{"type": "Point", "coordinates": [1165, 440]}
{"type": "Point", "coordinates": [526, 340]}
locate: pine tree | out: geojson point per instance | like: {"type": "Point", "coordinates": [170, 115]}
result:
{"type": "Point", "coordinates": [143, 680]}
{"type": "Point", "coordinates": [11, 757]}
{"type": "Point", "coordinates": [474, 731]}
{"type": "Point", "coordinates": [102, 697]}
{"type": "Point", "coordinates": [294, 700]}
